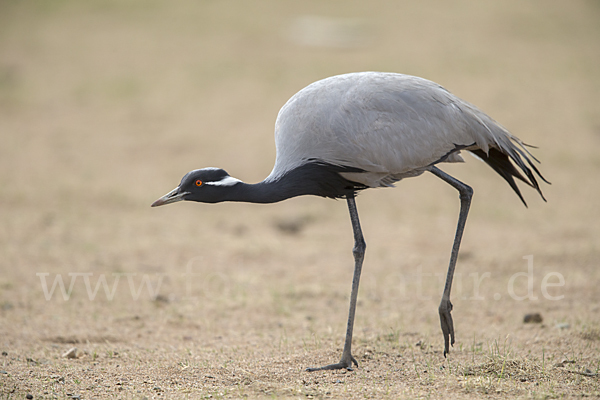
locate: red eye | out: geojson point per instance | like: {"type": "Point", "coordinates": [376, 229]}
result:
{"type": "Point", "coordinates": [198, 182]}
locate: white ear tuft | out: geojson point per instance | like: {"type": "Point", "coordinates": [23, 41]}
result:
{"type": "Point", "coordinates": [227, 181]}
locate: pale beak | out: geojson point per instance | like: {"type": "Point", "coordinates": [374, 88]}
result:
{"type": "Point", "coordinates": [172, 197]}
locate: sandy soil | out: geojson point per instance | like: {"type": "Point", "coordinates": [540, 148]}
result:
{"type": "Point", "coordinates": [104, 105]}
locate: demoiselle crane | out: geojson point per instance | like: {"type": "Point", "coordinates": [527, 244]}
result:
{"type": "Point", "coordinates": [356, 131]}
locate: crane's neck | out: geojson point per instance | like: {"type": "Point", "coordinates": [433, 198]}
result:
{"type": "Point", "coordinates": [308, 179]}
{"type": "Point", "coordinates": [265, 191]}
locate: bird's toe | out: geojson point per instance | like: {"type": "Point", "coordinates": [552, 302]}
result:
{"type": "Point", "coordinates": [345, 363]}
{"type": "Point", "coordinates": [447, 325]}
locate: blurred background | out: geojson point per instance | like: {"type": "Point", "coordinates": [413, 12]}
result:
{"type": "Point", "coordinates": [105, 105]}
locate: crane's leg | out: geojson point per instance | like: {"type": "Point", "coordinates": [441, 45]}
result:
{"type": "Point", "coordinates": [466, 193]}
{"type": "Point", "coordinates": [359, 254]}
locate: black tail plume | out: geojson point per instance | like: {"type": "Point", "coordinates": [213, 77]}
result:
{"type": "Point", "coordinates": [501, 163]}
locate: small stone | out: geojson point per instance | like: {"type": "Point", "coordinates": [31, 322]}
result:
{"type": "Point", "coordinates": [161, 299]}
{"type": "Point", "coordinates": [4, 353]}
{"type": "Point", "coordinates": [587, 372]}
{"type": "Point", "coordinates": [563, 325]}
{"type": "Point", "coordinates": [534, 318]}
{"type": "Point", "coordinates": [71, 353]}
{"type": "Point", "coordinates": [29, 396]}
{"type": "Point", "coordinates": [4, 372]}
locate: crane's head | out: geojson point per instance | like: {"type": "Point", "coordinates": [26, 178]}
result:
{"type": "Point", "coordinates": [205, 185]}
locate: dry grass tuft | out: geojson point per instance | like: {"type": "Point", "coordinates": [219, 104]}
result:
{"type": "Point", "coordinates": [521, 370]}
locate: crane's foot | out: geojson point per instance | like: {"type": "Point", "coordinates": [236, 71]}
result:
{"type": "Point", "coordinates": [447, 324]}
{"type": "Point", "coordinates": [345, 363]}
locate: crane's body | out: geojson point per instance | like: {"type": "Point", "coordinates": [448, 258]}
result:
{"type": "Point", "coordinates": [390, 126]}
{"type": "Point", "coordinates": [364, 130]}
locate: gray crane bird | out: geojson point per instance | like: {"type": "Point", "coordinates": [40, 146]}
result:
{"type": "Point", "coordinates": [351, 132]}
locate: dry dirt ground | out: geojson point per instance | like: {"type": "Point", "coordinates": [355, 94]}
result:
{"type": "Point", "coordinates": [104, 105]}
